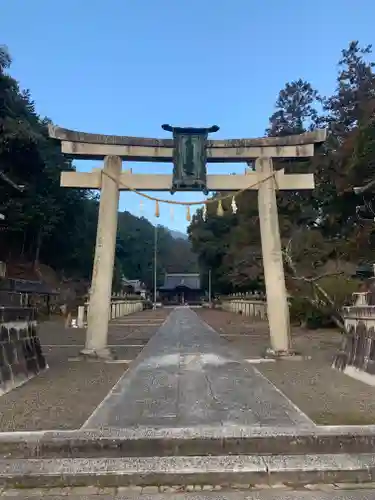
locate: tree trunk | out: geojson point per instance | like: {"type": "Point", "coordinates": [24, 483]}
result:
{"type": "Point", "coordinates": [38, 247]}
{"type": "Point", "coordinates": [23, 244]}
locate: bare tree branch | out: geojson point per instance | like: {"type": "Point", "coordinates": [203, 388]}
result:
{"type": "Point", "coordinates": [366, 187]}
{"type": "Point", "coordinates": [318, 290]}
{"type": "Point", "coordinates": [317, 278]}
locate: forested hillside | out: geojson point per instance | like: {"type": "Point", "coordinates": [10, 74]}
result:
{"type": "Point", "coordinates": [322, 233]}
{"type": "Point", "coordinates": [56, 226]}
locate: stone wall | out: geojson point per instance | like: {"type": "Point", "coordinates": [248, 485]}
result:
{"type": "Point", "coordinates": [251, 305]}
{"type": "Point", "coordinates": [356, 357]}
{"type": "Point", "coordinates": [21, 356]}
{"type": "Point", "coordinates": [118, 309]}
{"type": "Point", "coordinates": [123, 308]}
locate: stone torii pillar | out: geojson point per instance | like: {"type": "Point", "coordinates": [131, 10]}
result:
{"type": "Point", "coordinates": [102, 273]}
{"type": "Point", "coordinates": [277, 303]}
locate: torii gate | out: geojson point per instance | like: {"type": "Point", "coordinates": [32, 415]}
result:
{"type": "Point", "coordinates": [112, 179]}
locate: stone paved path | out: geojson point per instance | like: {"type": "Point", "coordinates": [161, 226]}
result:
{"type": "Point", "coordinates": [188, 376]}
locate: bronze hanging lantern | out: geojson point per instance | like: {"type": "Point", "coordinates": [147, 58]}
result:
{"type": "Point", "coordinates": [190, 158]}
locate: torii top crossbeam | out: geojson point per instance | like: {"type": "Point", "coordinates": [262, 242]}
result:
{"type": "Point", "coordinates": [80, 145]}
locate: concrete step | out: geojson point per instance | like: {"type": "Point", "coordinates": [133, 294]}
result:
{"type": "Point", "coordinates": [149, 442]}
{"type": "Point", "coordinates": [85, 493]}
{"type": "Point", "coordinates": [164, 471]}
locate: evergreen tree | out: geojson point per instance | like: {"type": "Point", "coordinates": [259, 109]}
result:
{"type": "Point", "coordinates": [55, 226]}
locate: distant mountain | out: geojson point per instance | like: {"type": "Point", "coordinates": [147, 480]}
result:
{"type": "Point", "coordinates": [178, 234]}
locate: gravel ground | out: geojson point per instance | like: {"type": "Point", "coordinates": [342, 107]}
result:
{"type": "Point", "coordinates": [65, 395]}
{"type": "Point", "coordinates": [327, 396]}
{"type": "Point", "coordinates": [61, 398]}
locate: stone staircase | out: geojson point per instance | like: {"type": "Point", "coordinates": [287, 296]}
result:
{"type": "Point", "coordinates": [205, 458]}
{"type": "Point", "coordinates": [190, 415]}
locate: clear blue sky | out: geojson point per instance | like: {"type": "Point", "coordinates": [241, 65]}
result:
{"type": "Point", "coordinates": [127, 66]}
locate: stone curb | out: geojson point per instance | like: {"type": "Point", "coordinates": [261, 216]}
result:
{"type": "Point", "coordinates": [251, 470]}
{"type": "Point", "coordinates": [181, 442]}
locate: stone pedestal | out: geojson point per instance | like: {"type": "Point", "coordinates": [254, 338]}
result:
{"type": "Point", "coordinates": [81, 317]}
{"type": "Point", "coordinates": [100, 295]}
{"type": "Point", "coordinates": [277, 304]}
{"type": "Point", "coordinates": [356, 356]}
{"type": "Point", "coordinates": [21, 356]}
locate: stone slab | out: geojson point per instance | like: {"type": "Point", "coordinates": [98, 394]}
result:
{"type": "Point", "coordinates": [188, 376]}
{"type": "Point", "coordinates": [206, 440]}
{"type": "Point", "coordinates": [361, 494]}
{"type": "Point", "coordinates": [299, 469]}
{"type": "Point", "coordinates": [144, 471]}
{"type": "Point", "coordinates": [197, 470]}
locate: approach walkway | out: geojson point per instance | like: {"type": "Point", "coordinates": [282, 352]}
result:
{"type": "Point", "coordinates": [188, 376]}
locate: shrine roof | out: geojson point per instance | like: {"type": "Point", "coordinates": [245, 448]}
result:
{"type": "Point", "coordinates": [137, 285]}
{"type": "Point", "coordinates": [27, 286]}
{"type": "Point", "coordinates": [175, 280]}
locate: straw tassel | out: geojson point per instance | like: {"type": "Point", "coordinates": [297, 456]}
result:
{"type": "Point", "coordinates": [220, 210]}
{"type": "Point", "coordinates": [204, 213]}
{"type": "Point", "coordinates": [157, 210]}
{"type": "Point", "coordinates": [188, 215]}
{"type": "Point", "coordinates": [234, 205]}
